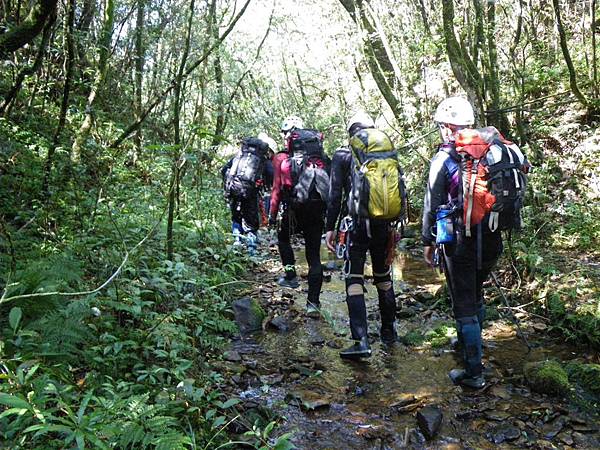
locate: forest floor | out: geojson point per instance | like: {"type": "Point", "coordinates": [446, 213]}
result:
{"type": "Point", "coordinates": [292, 370]}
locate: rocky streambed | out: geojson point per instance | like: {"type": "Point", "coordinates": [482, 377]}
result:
{"type": "Point", "coordinates": [290, 370]}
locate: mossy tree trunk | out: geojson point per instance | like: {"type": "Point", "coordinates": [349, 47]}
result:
{"type": "Point", "coordinates": [101, 70]}
{"type": "Point", "coordinates": [496, 116]}
{"type": "Point", "coordinates": [139, 72]}
{"type": "Point", "coordinates": [463, 66]}
{"type": "Point", "coordinates": [177, 132]}
{"type": "Point", "coordinates": [380, 65]}
{"type": "Point", "coordinates": [69, 45]}
{"type": "Point", "coordinates": [567, 56]}
{"type": "Point", "coordinates": [22, 34]}
{"type": "Point", "coordinates": [11, 95]}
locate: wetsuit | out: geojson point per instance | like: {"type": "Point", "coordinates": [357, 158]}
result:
{"type": "Point", "coordinates": [307, 219]}
{"type": "Point", "coordinates": [464, 279]}
{"type": "Point", "coordinates": [244, 210]}
{"type": "Point", "coordinates": [372, 237]}
{"type": "Point", "coordinates": [463, 276]}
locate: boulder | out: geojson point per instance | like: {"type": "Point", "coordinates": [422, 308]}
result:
{"type": "Point", "coordinates": [547, 377]}
{"type": "Point", "coordinates": [249, 315]}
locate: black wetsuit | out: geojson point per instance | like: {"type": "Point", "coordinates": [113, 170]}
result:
{"type": "Point", "coordinates": [359, 243]}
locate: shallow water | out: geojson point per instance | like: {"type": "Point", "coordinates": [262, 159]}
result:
{"type": "Point", "coordinates": [371, 404]}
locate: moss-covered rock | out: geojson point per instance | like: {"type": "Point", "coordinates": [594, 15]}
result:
{"type": "Point", "coordinates": [441, 335]}
{"type": "Point", "coordinates": [249, 315]}
{"type": "Point", "coordinates": [586, 375]}
{"type": "Point", "coordinates": [547, 377]}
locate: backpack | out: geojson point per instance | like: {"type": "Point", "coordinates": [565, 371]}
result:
{"type": "Point", "coordinates": [246, 168]}
{"type": "Point", "coordinates": [305, 173]}
{"type": "Point", "coordinates": [493, 172]}
{"type": "Point", "coordinates": [377, 182]}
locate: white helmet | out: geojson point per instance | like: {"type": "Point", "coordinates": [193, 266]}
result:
{"type": "Point", "coordinates": [455, 111]}
{"type": "Point", "coordinates": [361, 118]}
{"type": "Point", "coordinates": [291, 122]}
{"type": "Point", "coordinates": [269, 141]}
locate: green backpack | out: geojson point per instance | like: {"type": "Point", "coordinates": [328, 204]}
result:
{"type": "Point", "coordinates": [377, 189]}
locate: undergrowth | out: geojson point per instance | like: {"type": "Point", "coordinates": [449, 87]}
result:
{"type": "Point", "coordinates": [127, 366]}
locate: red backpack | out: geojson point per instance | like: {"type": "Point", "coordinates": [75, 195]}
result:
{"type": "Point", "coordinates": [493, 172]}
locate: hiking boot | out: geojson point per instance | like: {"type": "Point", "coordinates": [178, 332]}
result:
{"type": "Point", "coordinates": [312, 310]}
{"type": "Point", "coordinates": [460, 377]}
{"type": "Point", "coordinates": [388, 335]}
{"type": "Point", "coordinates": [291, 283]}
{"type": "Point", "coordinates": [360, 349]}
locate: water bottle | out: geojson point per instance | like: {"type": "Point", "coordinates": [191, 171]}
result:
{"type": "Point", "coordinates": [444, 225]}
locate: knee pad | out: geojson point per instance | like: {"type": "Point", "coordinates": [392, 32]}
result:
{"type": "Point", "coordinates": [384, 285]}
{"type": "Point", "coordinates": [354, 289]}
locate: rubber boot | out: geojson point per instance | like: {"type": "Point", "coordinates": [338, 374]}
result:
{"type": "Point", "coordinates": [472, 374]}
{"type": "Point", "coordinates": [387, 310]}
{"type": "Point", "coordinates": [357, 311]}
{"type": "Point", "coordinates": [289, 280]}
{"type": "Point", "coordinates": [360, 349]}
{"type": "Point", "coordinates": [251, 243]}
{"type": "Point", "coordinates": [237, 231]}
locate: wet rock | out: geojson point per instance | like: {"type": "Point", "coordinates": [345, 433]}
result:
{"type": "Point", "coordinates": [505, 433]}
{"type": "Point", "coordinates": [334, 344]}
{"type": "Point", "coordinates": [547, 377]}
{"type": "Point", "coordinates": [232, 356]}
{"type": "Point", "coordinates": [566, 438]}
{"type": "Point", "coordinates": [497, 416]}
{"type": "Point", "coordinates": [406, 313]}
{"type": "Point", "coordinates": [249, 315]}
{"type": "Point", "coordinates": [416, 438]}
{"type": "Point", "coordinates": [280, 323]}
{"type": "Point", "coordinates": [429, 420]}
{"type": "Point", "coordinates": [585, 428]}
{"type": "Point", "coordinates": [551, 430]}
{"type": "Point", "coordinates": [309, 400]}
{"type": "Point", "coordinates": [316, 340]}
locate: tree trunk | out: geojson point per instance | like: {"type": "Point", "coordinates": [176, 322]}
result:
{"type": "Point", "coordinates": [177, 132]}
{"type": "Point", "coordinates": [463, 67]}
{"type": "Point", "coordinates": [162, 95]}
{"type": "Point", "coordinates": [101, 70]}
{"type": "Point", "coordinates": [595, 29]}
{"type": "Point", "coordinates": [567, 56]}
{"type": "Point", "coordinates": [495, 117]}
{"type": "Point", "coordinates": [30, 70]}
{"type": "Point", "coordinates": [139, 72]}
{"type": "Point", "coordinates": [26, 32]}
{"type": "Point", "coordinates": [69, 64]}
{"type": "Point", "coordinates": [380, 66]}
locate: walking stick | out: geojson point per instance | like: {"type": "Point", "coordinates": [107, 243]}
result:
{"type": "Point", "coordinates": [513, 318]}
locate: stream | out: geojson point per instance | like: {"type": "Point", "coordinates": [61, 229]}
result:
{"type": "Point", "coordinates": [293, 370]}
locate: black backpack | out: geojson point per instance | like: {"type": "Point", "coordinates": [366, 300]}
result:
{"type": "Point", "coordinates": [246, 168]}
{"type": "Point", "coordinates": [309, 168]}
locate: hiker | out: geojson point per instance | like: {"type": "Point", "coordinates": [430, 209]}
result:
{"type": "Point", "coordinates": [266, 183]}
{"type": "Point", "coordinates": [368, 175]}
{"type": "Point", "coordinates": [298, 199]}
{"type": "Point", "coordinates": [242, 177]}
{"type": "Point", "coordinates": [475, 189]}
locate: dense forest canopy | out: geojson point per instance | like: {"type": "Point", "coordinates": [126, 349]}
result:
{"type": "Point", "coordinates": [117, 271]}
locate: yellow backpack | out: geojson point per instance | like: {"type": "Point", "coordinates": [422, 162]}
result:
{"type": "Point", "coordinates": [377, 190]}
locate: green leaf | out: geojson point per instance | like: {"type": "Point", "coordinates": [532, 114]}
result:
{"type": "Point", "coordinates": [12, 401]}
{"type": "Point", "coordinates": [229, 403]}
{"type": "Point", "coordinates": [14, 317]}
{"type": "Point", "coordinates": [218, 422]}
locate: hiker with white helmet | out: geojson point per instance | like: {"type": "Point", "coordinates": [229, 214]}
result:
{"type": "Point", "coordinates": [475, 189]}
{"type": "Point", "coordinates": [362, 174]}
{"type": "Point", "coordinates": [298, 198]}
